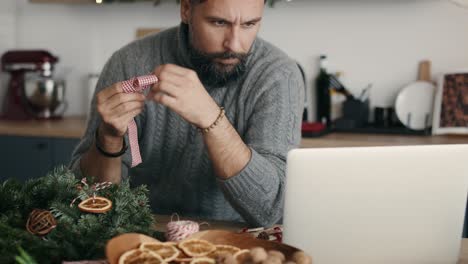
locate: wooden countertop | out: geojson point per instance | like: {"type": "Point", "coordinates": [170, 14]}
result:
{"type": "Point", "coordinates": [463, 252]}
{"type": "Point", "coordinates": [74, 127]}
{"type": "Point", "coordinates": [162, 220]}
{"type": "Point", "coordinates": [364, 140]}
{"type": "Point", "coordinates": [68, 127]}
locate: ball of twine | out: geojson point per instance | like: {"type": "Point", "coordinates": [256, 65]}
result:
{"type": "Point", "coordinates": [179, 230]}
{"type": "Point", "coordinates": [40, 222]}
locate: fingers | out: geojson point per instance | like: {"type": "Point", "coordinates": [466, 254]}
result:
{"type": "Point", "coordinates": [128, 117]}
{"type": "Point", "coordinates": [168, 88]}
{"type": "Point", "coordinates": [113, 96]}
{"type": "Point", "coordinates": [119, 124]}
{"type": "Point", "coordinates": [122, 98]}
{"type": "Point", "coordinates": [119, 103]}
{"type": "Point", "coordinates": [173, 80]}
{"type": "Point", "coordinates": [119, 117]}
{"type": "Point", "coordinates": [107, 93]}
{"type": "Point", "coordinates": [165, 100]}
{"type": "Point", "coordinates": [124, 108]}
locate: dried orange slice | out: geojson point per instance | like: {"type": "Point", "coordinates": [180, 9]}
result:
{"type": "Point", "coordinates": [223, 250]}
{"type": "Point", "coordinates": [97, 205]}
{"type": "Point", "coordinates": [166, 250]}
{"type": "Point", "coordinates": [203, 260]}
{"type": "Point", "coordinates": [242, 256]}
{"type": "Point", "coordinates": [138, 256]}
{"type": "Point", "coordinates": [171, 243]}
{"type": "Point", "coordinates": [183, 258]}
{"type": "Point", "coordinates": [196, 247]}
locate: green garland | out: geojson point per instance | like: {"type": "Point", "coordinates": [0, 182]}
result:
{"type": "Point", "coordinates": [78, 235]}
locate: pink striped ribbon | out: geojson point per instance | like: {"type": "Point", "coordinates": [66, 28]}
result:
{"type": "Point", "coordinates": [179, 230]}
{"type": "Point", "coordinates": [136, 85]}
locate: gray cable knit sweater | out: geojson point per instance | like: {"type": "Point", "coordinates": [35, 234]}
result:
{"type": "Point", "coordinates": [264, 106]}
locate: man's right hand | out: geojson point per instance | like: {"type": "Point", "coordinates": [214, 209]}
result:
{"type": "Point", "coordinates": [116, 109]}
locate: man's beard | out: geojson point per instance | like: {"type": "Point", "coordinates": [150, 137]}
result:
{"type": "Point", "coordinates": [214, 73]}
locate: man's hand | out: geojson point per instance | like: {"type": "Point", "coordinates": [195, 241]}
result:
{"type": "Point", "coordinates": [181, 90]}
{"type": "Point", "coordinates": [116, 109]}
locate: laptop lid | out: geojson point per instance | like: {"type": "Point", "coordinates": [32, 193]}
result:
{"type": "Point", "coordinates": [402, 204]}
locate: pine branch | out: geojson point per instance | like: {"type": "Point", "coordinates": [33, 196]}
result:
{"type": "Point", "coordinates": [24, 257]}
{"type": "Point", "coordinates": [54, 192]}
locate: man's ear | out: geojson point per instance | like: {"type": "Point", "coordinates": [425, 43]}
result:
{"type": "Point", "coordinates": [185, 11]}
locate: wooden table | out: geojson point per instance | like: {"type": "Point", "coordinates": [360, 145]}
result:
{"type": "Point", "coordinates": [162, 220]}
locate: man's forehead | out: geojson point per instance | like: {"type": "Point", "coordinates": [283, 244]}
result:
{"type": "Point", "coordinates": [233, 9]}
{"type": "Point", "coordinates": [222, 1]}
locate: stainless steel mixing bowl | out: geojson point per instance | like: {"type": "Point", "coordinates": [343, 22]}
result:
{"type": "Point", "coordinates": [45, 96]}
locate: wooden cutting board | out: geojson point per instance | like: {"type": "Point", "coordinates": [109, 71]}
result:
{"type": "Point", "coordinates": [242, 241]}
{"type": "Point", "coordinates": [141, 32]}
{"type": "Point", "coordinates": [425, 71]}
{"type": "Point", "coordinates": [120, 244]}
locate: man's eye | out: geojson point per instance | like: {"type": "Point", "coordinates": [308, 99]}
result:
{"type": "Point", "coordinates": [250, 24]}
{"type": "Point", "coordinates": [219, 23]}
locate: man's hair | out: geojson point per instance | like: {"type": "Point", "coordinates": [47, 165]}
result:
{"type": "Point", "coordinates": [201, 1]}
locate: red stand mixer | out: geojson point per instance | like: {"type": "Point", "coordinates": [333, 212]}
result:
{"type": "Point", "coordinates": [32, 92]}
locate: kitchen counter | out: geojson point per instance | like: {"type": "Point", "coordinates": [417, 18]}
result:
{"type": "Point", "coordinates": [367, 140]}
{"type": "Point", "coordinates": [74, 127]}
{"type": "Point", "coordinates": [68, 127]}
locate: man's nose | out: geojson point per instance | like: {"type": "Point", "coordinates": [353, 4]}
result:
{"type": "Point", "coordinates": [232, 40]}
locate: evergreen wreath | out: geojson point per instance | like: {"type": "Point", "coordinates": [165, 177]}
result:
{"type": "Point", "coordinates": [78, 235]}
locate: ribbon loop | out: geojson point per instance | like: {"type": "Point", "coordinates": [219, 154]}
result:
{"type": "Point", "coordinates": [139, 84]}
{"type": "Point", "coordinates": [136, 85]}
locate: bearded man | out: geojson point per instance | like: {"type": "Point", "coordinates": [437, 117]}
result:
{"type": "Point", "coordinates": [214, 130]}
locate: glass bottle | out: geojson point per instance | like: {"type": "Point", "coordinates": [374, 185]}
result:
{"type": "Point", "coordinates": [322, 84]}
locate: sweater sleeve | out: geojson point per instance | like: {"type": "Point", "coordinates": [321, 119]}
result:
{"type": "Point", "coordinates": [273, 128]}
{"type": "Point", "coordinates": [112, 72]}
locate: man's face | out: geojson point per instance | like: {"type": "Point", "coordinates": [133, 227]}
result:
{"type": "Point", "coordinates": [221, 34]}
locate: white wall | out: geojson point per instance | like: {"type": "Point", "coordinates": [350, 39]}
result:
{"type": "Point", "coordinates": [379, 42]}
{"type": "Point", "coordinates": [7, 36]}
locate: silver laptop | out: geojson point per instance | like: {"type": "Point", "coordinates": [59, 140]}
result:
{"type": "Point", "coordinates": [376, 205]}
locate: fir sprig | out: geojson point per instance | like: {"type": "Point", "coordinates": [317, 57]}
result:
{"type": "Point", "coordinates": [24, 257]}
{"type": "Point", "coordinates": [78, 235]}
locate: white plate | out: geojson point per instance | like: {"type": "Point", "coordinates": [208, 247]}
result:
{"type": "Point", "coordinates": [414, 105]}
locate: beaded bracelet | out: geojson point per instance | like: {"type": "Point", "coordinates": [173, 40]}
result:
{"type": "Point", "coordinates": [215, 123]}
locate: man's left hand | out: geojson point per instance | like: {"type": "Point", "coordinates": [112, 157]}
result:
{"type": "Point", "coordinates": [181, 90]}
